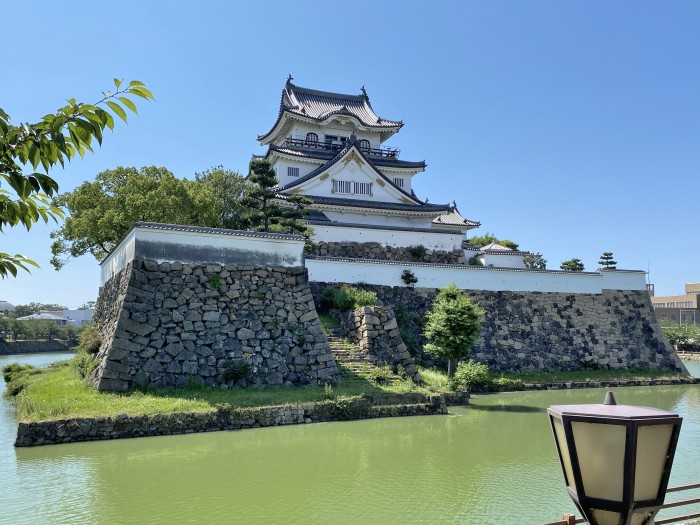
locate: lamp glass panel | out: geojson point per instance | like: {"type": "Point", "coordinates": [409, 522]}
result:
{"type": "Point", "coordinates": [564, 449]}
{"type": "Point", "coordinates": [606, 517]}
{"type": "Point", "coordinates": [652, 448]}
{"type": "Point", "coordinates": [601, 456]}
{"type": "Point", "coordinates": [640, 518]}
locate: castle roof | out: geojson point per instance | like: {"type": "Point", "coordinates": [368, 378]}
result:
{"type": "Point", "coordinates": [325, 155]}
{"type": "Point", "coordinates": [321, 105]}
{"type": "Point", "coordinates": [454, 218]}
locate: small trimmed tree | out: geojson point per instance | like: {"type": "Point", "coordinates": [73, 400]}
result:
{"type": "Point", "coordinates": [572, 265]}
{"type": "Point", "coordinates": [409, 278]}
{"type": "Point", "coordinates": [263, 213]}
{"type": "Point", "coordinates": [534, 261]}
{"type": "Point", "coordinates": [607, 262]}
{"type": "Point", "coordinates": [452, 326]}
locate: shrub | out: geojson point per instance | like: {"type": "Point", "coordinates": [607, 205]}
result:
{"type": "Point", "coordinates": [417, 252]}
{"type": "Point", "coordinates": [84, 364]}
{"type": "Point", "coordinates": [16, 377]}
{"type": "Point", "coordinates": [346, 298]}
{"type": "Point", "coordinates": [90, 340]}
{"type": "Point", "coordinates": [505, 383]}
{"type": "Point", "coordinates": [236, 370]}
{"type": "Point", "coordinates": [475, 261]}
{"type": "Point", "coordinates": [471, 375]}
{"type": "Point", "coordinates": [381, 375]}
{"type": "Point", "coordinates": [409, 278]}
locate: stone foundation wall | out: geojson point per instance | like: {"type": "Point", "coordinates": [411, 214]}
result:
{"type": "Point", "coordinates": [374, 250]}
{"type": "Point", "coordinates": [227, 418]}
{"type": "Point", "coordinates": [220, 325]}
{"type": "Point", "coordinates": [532, 331]}
{"type": "Point", "coordinates": [31, 347]}
{"type": "Point", "coordinates": [375, 330]}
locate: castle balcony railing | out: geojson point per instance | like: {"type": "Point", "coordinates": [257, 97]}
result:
{"type": "Point", "coordinates": [390, 153]}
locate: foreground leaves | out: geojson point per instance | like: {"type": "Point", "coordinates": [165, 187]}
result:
{"type": "Point", "coordinates": [57, 137]}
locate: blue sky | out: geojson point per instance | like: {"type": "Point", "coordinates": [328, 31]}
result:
{"type": "Point", "coordinates": [571, 128]}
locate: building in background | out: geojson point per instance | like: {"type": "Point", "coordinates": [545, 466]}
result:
{"type": "Point", "coordinates": [78, 318]}
{"type": "Point", "coordinates": [682, 309]}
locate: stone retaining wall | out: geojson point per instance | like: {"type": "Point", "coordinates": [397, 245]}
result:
{"type": "Point", "coordinates": [220, 325]}
{"type": "Point", "coordinates": [31, 347]}
{"type": "Point", "coordinates": [375, 330]}
{"type": "Point", "coordinates": [227, 418]}
{"type": "Point", "coordinates": [374, 250]}
{"type": "Point", "coordinates": [533, 331]}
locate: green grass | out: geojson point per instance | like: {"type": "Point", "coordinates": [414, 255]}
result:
{"type": "Point", "coordinates": [58, 392]}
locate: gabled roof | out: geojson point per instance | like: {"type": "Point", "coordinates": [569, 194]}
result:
{"type": "Point", "coordinates": [320, 105]}
{"type": "Point", "coordinates": [380, 205]}
{"type": "Point", "coordinates": [352, 147]}
{"type": "Point", "coordinates": [454, 218]}
{"type": "Point", "coordinates": [493, 246]}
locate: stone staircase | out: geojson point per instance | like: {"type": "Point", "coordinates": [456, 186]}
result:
{"type": "Point", "coordinates": [353, 364]}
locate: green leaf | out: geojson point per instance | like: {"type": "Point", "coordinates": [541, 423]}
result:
{"type": "Point", "coordinates": [141, 92]}
{"type": "Point", "coordinates": [129, 104]}
{"type": "Point", "coordinates": [136, 83]}
{"type": "Point", "coordinates": [117, 83]}
{"type": "Point", "coordinates": [117, 109]}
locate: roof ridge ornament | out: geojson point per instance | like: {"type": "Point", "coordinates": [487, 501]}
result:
{"type": "Point", "coordinates": [290, 78]}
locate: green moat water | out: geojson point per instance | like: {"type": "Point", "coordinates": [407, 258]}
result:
{"type": "Point", "coordinates": [492, 463]}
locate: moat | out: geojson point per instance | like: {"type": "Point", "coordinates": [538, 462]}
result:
{"type": "Point", "coordinates": [491, 463]}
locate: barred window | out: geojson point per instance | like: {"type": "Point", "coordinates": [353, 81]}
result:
{"type": "Point", "coordinates": [292, 172]}
{"type": "Point", "coordinates": [362, 188]}
{"type": "Point", "coordinates": [398, 181]}
{"type": "Point", "coordinates": [342, 186]}
{"type": "Point", "coordinates": [311, 139]}
{"type": "Point", "coordinates": [364, 145]}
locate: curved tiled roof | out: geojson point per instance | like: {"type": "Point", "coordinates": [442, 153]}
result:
{"type": "Point", "coordinates": [454, 218]}
{"type": "Point", "coordinates": [325, 155]}
{"type": "Point", "coordinates": [319, 105]}
{"type": "Point", "coordinates": [358, 203]}
{"type": "Point", "coordinates": [218, 231]}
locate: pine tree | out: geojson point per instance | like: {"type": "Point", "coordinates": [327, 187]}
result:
{"type": "Point", "coordinates": [572, 265]}
{"type": "Point", "coordinates": [263, 213]}
{"type": "Point", "coordinates": [607, 262]}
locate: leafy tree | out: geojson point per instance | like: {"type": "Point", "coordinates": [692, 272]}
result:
{"type": "Point", "coordinates": [57, 137]}
{"type": "Point", "coordinates": [488, 238]}
{"type": "Point", "coordinates": [263, 213]}
{"type": "Point", "coordinates": [572, 265]}
{"type": "Point", "coordinates": [535, 261]}
{"type": "Point", "coordinates": [607, 262]}
{"type": "Point", "coordinates": [88, 305]}
{"type": "Point", "coordinates": [452, 326]}
{"type": "Point", "coordinates": [218, 198]}
{"type": "Point", "coordinates": [101, 212]}
{"type": "Point", "coordinates": [23, 310]}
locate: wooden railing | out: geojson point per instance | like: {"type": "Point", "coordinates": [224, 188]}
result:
{"type": "Point", "coordinates": [391, 153]}
{"type": "Point", "coordinates": [571, 519]}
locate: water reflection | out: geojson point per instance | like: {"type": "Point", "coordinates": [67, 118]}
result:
{"type": "Point", "coordinates": [492, 463]}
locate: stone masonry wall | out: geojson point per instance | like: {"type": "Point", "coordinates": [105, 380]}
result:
{"type": "Point", "coordinates": [228, 418]}
{"type": "Point", "coordinates": [532, 331]}
{"type": "Point", "coordinates": [171, 323]}
{"type": "Point", "coordinates": [374, 250]}
{"type": "Point", "coordinates": [375, 331]}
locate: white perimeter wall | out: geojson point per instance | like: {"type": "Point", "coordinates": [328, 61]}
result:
{"type": "Point", "coordinates": [393, 238]}
{"type": "Point", "coordinates": [474, 278]}
{"type": "Point", "coordinates": [219, 247]}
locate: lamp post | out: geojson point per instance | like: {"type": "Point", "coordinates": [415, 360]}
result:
{"type": "Point", "coordinates": [616, 459]}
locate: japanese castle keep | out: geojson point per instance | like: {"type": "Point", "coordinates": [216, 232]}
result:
{"type": "Point", "coordinates": [181, 303]}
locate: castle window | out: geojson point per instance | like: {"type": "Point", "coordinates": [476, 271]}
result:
{"type": "Point", "coordinates": [362, 188]}
{"type": "Point", "coordinates": [398, 181]}
{"type": "Point", "coordinates": [342, 186]}
{"type": "Point", "coordinates": [311, 139]}
{"type": "Point", "coordinates": [292, 172]}
{"type": "Point", "coordinates": [364, 145]}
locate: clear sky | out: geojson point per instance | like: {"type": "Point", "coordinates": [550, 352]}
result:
{"type": "Point", "coordinates": [572, 128]}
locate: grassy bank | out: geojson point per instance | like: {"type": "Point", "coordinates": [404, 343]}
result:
{"type": "Point", "coordinates": [56, 392]}
{"type": "Point", "coordinates": [59, 391]}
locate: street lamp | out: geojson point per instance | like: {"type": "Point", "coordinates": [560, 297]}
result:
{"type": "Point", "coordinates": [616, 459]}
